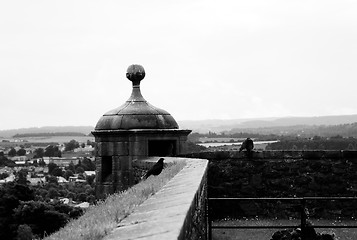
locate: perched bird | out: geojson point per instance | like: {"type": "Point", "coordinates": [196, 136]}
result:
{"type": "Point", "coordinates": [156, 169]}
{"type": "Point", "coordinates": [247, 145]}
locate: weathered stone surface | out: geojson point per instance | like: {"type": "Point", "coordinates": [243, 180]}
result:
{"type": "Point", "coordinates": [121, 148]}
{"type": "Point", "coordinates": [138, 148]}
{"type": "Point", "coordinates": [105, 149]}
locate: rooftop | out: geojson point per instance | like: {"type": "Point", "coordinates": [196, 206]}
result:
{"type": "Point", "coordinates": [136, 112]}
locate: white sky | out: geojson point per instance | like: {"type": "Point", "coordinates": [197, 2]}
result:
{"type": "Point", "coordinates": [64, 62]}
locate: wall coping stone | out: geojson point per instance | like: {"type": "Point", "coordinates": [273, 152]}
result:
{"type": "Point", "coordinates": [163, 215]}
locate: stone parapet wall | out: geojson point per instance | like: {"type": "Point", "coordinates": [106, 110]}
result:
{"type": "Point", "coordinates": [177, 211]}
{"type": "Point", "coordinates": [278, 174]}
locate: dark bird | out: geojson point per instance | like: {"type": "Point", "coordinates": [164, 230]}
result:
{"type": "Point", "coordinates": [156, 169]}
{"type": "Point", "coordinates": [247, 145]}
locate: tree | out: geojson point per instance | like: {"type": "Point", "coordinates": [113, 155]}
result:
{"type": "Point", "coordinates": [58, 152]}
{"type": "Point", "coordinates": [39, 215]}
{"type": "Point", "coordinates": [21, 152]}
{"type": "Point", "coordinates": [39, 153]}
{"type": "Point", "coordinates": [67, 174]}
{"type": "Point", "coordinates": [57, 172]}
{"type": "Point", "coordinates": [49, 151]}
{"type": "Point", "coordinates": [51, 167]}
{"type": "Point", "coordinates": [24, 232]}
{"type": "Point", "coordinates": [71, 145]}
{"type": "Point", "coordinates": [6, 162]}
{"type": "Point", "coordinates": [87, 164]}
{"type": "Point", "coordinates": [52, 179]}
{"type": "Point", "coordinates": [52, 151]}
{"type": "Point", "coordinates": [52, 193]}
{"type": "Point", "coordinates": [12, 152]}
{"type": "Point", "coordinates": [71, 167]}
{"type": "Point", "coordinates": [70, 195]}
{"type": "Point", "coordinates": [21, 177]}
{"type": "Point", "coordinates": [82, 197]}
{"type": "Point", "coordinates": [41, 192]}
{"type": "Point", "coordinates": [11, 194]}
{"type": "Point", "coordinates": [79, 170]}
{"type": "Point", "coordinates": [90, 199]}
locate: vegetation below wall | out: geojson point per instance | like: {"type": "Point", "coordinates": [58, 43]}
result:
{"type": "Point", "coordinates": [283, 178]}
{"type": "Point", "coordinates": [316, 143]}
{"type": "Point", "coordinates": [22, 213]}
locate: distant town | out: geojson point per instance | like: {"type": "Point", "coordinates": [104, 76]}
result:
{"type": "Point", "coordinates": [52, 176]}
{"type": "Point", "coordinates": [40, 160]}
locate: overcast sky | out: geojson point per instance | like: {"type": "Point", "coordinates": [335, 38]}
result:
{"type": "Point", "coordinates": [64, 62]}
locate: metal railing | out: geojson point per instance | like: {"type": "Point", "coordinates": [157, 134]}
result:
{"type": "Point", "coordinates": [303, 213]}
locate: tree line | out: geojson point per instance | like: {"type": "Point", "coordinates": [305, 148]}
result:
{"type": "Point", "coordinates": [51, 150]}
{"type": "Point", "coordinates": [315, 143]}
{"type": "Point", "coordinates": [305, 131]}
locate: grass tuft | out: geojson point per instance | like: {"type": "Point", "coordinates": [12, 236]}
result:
{"type": "Point", "coordinates": [101, 219]}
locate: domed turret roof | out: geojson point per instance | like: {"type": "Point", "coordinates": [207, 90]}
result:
{"type": "Point", "coordinates": [136, 112]}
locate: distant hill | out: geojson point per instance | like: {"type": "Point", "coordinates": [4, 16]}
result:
{"type": "Point", "coordinates": [217, 126]}
{"type": "Point", "coordinates": [48, 129]}
{"type": "Point", "coordinates": [51, 134]}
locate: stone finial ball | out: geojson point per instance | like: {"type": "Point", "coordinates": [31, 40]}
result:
{"type": "Point", "coordinates": [135, 73]}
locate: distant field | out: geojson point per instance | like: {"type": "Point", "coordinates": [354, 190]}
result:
{"type": "Point", "coordinates": [253, 234]}
{"type": "Point", "coordinates": [258, 145]}
{"type": "Point", "coordinates": [220, 139]}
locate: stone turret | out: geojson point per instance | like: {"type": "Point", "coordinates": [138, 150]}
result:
{"type": "Point", "coordinates": [134, 131]}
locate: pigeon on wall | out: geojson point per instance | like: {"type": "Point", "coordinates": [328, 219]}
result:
{"type": "Point", "coordinates": [156, 169]}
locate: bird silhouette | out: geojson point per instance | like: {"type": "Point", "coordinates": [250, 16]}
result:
{"type": "Point", "coordinates": [247, 145]}
{"type": "Point", "coordinates": [156, 169]}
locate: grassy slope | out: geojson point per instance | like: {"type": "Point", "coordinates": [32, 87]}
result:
{"type": "Point", "coordinates": [102, 218]}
